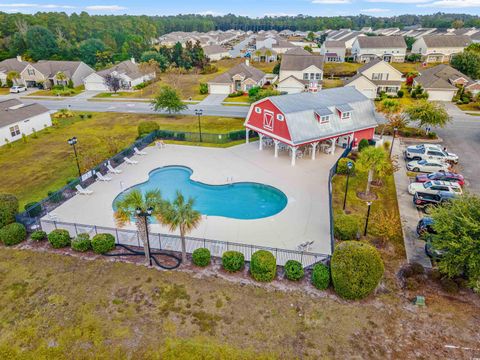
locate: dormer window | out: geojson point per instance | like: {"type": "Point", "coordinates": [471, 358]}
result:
{"type": "Point", "coordinates": [344, 111]}
{"type": "Point", "coordinates": [322, 115]}
{"type": "Point", "coordinates": [324, 119]}
{"type": "Point", "coordinates": [346, 115]}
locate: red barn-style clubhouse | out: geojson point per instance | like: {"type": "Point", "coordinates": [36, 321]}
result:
{"type": "Point", "coordinates": [299, 122]}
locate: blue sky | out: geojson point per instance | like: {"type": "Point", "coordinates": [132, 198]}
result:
{"type": "Point", "coordinates": [252, 8]}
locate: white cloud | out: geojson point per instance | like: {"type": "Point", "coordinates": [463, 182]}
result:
{"type": "Point", "coordinates": [279, 14]}
{"type": "Point", "coordinates": [338, 2]}
{"type": "Point", "coordinates": [105, 7]}
{"type": "Point", "coordinates": [399, 1]}
{"type": "Point", "coordinates": [452, 4]}
{"type": "Point", "coordinates": [374, 10]}
{"type": "Point", "coordinates": [37, 6]}
{"type": "Point", "coordinates": [209, 12]}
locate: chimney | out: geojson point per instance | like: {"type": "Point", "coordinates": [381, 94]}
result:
{"type": "Point", "coordinates": [247, 62]}
{"type": "Point", "coordinates": [19, 58]}
{"type": "Point", "coordinates": [132, 60]}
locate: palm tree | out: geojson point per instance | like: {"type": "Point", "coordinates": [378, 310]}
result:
{"type": "Point", "coordinates": [257, 54]}
{"type": "Point", "coordinates": [268, 54]}
{"type": "Point", "coordinates": [13, 76]}
{"type": "Point", "coordinates": [61, 77]}
{"type": "Point", "coordinates": [374, 160]}
{"type": "Point", "coordinates": [180, 214]}
{"type": "Point", "coordinates": [135, 200]}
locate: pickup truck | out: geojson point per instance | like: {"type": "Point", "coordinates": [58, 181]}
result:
{"type": "Point", "coordinates": [429, 152]}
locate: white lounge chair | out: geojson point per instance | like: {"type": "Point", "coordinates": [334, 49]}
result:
{"type": "Point", "coordinates": [129, 161]}
{"type": "Point", "coordinates": [82, 191]}
{"type": "Point", "coordinates": [53, 216]}
{"type": "Point", "coordinates": [138, 152]}
{"type": "Point", "coordinates": [113, 170]}
{"type": "Point", "coordinates": [101, 177]}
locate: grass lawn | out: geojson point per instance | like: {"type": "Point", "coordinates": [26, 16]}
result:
{"type": "Point", "coordinates": [407, 67]}
{"type": "Point", "coordinates": [4, 91]}
{"type": "Point", "coordinates": [75, 91]}
{"type": "Point", "coordinates": [61, 307]}
{"type": "Point", "coordinates": [340, 69]}
{"type": "Point", "coordinates": [469, 107]}
{"type": "Point", "coordinates": [332, 83]}
{"type": "Point", "coordinates": [30, 170]}
{"type": "Point", "coordinates": [264, 66]}
{"type": "Point", "coordinates": [240, 99]}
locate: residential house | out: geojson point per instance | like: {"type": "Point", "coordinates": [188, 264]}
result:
{"type": "Point", "coordinates": [333, 50]}
{"type": "Point", "coordinates": [375, 77]}
{"type": "Point", "coordinates": [440, 48]}
{"type": "Point", "coordinates": [264, 55]}
{"type": "Point", "coordinates": [12, 65]}
{"type": "Point", "coordinates": [216, 52]}
{"type": "Point", "coordinates": [442, 82]}
{"type": "Point", "coordinates": [127, 71]}
{"type": "Point", "coordinates": [17, 118]}
{"type": "Point", "coordinates": [241, 77]}
{"type": "Point", "coordinates": [348, 37]}
{"type": "Point", "coordinates": [388, 48]}
{"type": "Point", "coordinates": [300, 71]}
{"type": "Point", "coordinates": [48, 73]}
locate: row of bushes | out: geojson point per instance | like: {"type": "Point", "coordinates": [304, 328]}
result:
{"type": "Point", "coordinates": [263, 266]}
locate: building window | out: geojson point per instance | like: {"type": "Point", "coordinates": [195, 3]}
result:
{"type": "Point", "coordinates": [280, 117]}
{"type": "Point", "coordinates": [312, 76]}
{"type": "Point", "coordinates": [258, 110]}
{"type": "Point", "coordinates": [14, 131]}
{"type": "Point", "coordinates": [325, 118]}
{"type": "Point", "coordinates": [305, 76]}
{"type": "Point", "coordinates": [31, 72]}
{"type": "Point", "coordinates": [317, 76]}
{"type": "Point", "coordinates": [346, 115]}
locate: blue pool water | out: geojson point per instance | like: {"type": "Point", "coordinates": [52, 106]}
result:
{"type": "Point", "coordinates": [243, 200]}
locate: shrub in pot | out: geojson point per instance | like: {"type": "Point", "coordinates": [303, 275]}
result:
{"type": "Point", "coordinates": [201, 257]}
{"type": "Point", "coordinates": [59, 238]}
{"type": "Point", "coordinates": [13, 234]}
{"type": "Point", "coordinates": [321, 276]}
{"type": "Point", "coordinates": [103, 243]}
{"type": "Point", "coordinates": [294, 270]}
{"type": "Point", "coordinates": [38, 235]}
{"type": "Point", "coordinates": [263, 266]}
{"type": "Point", "coordinates": [82, 242]}
{"type": "Point", "coordinates": [345, 227]}
{"type": "Point", "coordinates": [233, 261]}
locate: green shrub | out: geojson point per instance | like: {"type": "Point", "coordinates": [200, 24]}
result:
{"type": "Point", "coordinates": [201, 257]}
{"type": "Point", "coordinates": [294, 270]}
{"type": "Point", "coordinates": [59, 238]}
{"type": "Point", "coordinates": [321, 276]}
{"type": "Point", "coordinates": [363, 144]}
{"type": "Point", "coordinates": [203, 88]}
{"type": "Point", "coordinates": [146, 127]}
{"type": "Point", "coordinates": [13, 234]}
{"type": "Point", "coordinates": [34, 209]}
{"type": "Point", "coordinates": [82, 242]}
{"type": "Point", "coordinates": [103, 243]}
{"type": "Point", "coordinates": [345, 227]}
{"type": "Point", "coordinates": [342, 166]}
{"type": "Point", "coordinates": [38, 235]}
{"type": "Point", "coordinates": [356, 269]}
{"type": "Point", "coordinates": [233, 261]}
{"type": "Point", "coordinates": [8, 209]}
{"type": "Point", "coordinates": [263, 266]}
{"type": "Point", "coordinates": [400, 93]}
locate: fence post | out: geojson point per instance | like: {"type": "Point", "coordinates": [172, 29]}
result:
{"type": "Point", "coordinates": [116, 236]}
{"type": "Point", "coordinates": [55, 224]}
{"type": "Point", "coordinates": [76, 231]}
{"type": "Point", "coordinates": [95, 228]}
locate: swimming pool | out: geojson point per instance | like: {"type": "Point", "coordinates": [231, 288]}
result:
{"type": "Point", "coordinates": [242, 200]}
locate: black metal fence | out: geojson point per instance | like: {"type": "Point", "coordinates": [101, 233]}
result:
{"type": "Point", "coordinates": [173, 243]}
{"type": "Point", "coordinates": [30, 217]}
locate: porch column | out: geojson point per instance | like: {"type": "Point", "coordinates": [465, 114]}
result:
{"type": "Point", "coordinates": [247, 133]}
{"type": "Point", "coordinates": [332, 149]}
{"type": "Point", "coordinates": [260, 144]}
{"type": "Point", "coordinates": [276, 142]}
{"type": "Point", "coordinates": [294, 154]}
{"type": "Point", "coordinates": [314, 150]}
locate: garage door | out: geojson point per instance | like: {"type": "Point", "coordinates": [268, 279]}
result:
{"type": "Point", "coordinates": [219, 89]}
{"type": "Point", "coordinates": [369, 93]}
{"type": "Point", "coordinates": [95, 86]}
{"type": "Point", "coordinates": [440, 95]}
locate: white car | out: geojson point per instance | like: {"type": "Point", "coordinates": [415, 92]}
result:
{"type": "Point", "coordinates": [429, 152]}
{"type": "Point", "coordinates": [428, 166]}
{"type": "Point", "coordinates": [433, 187]}
{"type": "Point", "coordinates": [17, 88]}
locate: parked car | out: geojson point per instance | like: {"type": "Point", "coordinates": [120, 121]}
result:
{"type": "Point", "coordinates": [433, 253]}
{"type": "Point", "coordinates": [443, 176]}
{"type": "Point", "coordinates": [423, 200]}
{"type": "Point", "coordinates": [429, 152]}
{"type": "Point", "coordinates": [424, 226]}
{"type": "Point", "coordinates": [427, 166]}
{"type": "Point", "coordinates": [434, 186]}
{"type": "Point", "coordinates": [17, 88]}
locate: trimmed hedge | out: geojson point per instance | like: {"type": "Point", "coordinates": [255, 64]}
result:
{"type": "Point", "coordinates": [263, 266]}
{"type": "Point", "coordinates": [345, 227]}
{"type": "Point", "coordinates": [38, 235]}
{"type": "Point", "coordinates": [59, 238]}
{"type": "Point", "coordinates": [321, 276]}
{"type": "Point", "coordinates": [233, 261]}
{"type": "Point", "coordinates": [103, 243]}
{"type": "Point", "coordinates": [13, 234]}
{"type": "Point", "coordinates": [201, 257]}
{"type": "Point", "coordinates": [82, 243]}
{"type": "Point", "coordinates": [8, 209]}
{"type": "Point", "coordinates": [342, 166]}
{"type": "Point", "coordinates": [34, 209]}
{"type": "Point", "coordinates": [356, 269]}
{"type": "Point", "coordinates": [294, 270]}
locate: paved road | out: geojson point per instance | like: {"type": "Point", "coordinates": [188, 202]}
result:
{"type": "Point", "coordinates": [212, 99]}
{"type": "Point", "coordinates": [236, 51]}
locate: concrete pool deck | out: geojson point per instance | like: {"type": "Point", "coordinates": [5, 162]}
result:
{"type": "Point", "coordinates": [305, 218]}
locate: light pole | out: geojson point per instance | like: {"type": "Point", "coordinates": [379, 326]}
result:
{"type": "Point", "coordinates": [145, 215]}
{"type": "Point", "coordinates": [369, 203]}
{"type": "Point", "coordinates": [349, 167]}
{"type": "Point", "coordinates": [199, 113]}
{"type": "Point", "coordinates": [73, 141]}
{"type": "Point", "coordinates": [393, 140]}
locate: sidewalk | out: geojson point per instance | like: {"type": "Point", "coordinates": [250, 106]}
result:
{"type": "Point", "coordinates": [409, 215]}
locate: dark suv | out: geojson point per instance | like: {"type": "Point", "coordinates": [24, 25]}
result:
{"type": "Point", "coordinates": [423, 200]}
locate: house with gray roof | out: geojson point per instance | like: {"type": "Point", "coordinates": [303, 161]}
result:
{"type": "Point", "coordinates": [128, 72]}
{"type": "Point", "coordinates": [241, 77]}
{"type": "Point", "coordinates": [300, 71]}
{"type": "Point", "coordinates": [17, 118]}
{"type": "Point", "coordinates": [333, 50]}
{"type": "Point", "coordinates": [12, 65]}
{"type": "Point", "coordinates": [440, 48]}
{"type": "Point", "coordinates": [216, 52]}
{"type": "Point", "coordinates": [264, 55]}
{"type": "Point", "coordinates": [388, 48]}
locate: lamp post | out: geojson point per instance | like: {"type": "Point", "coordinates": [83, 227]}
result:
{"type": "Point", "coordinates": [145, 215]}
{"type": "Point", "coordinates": [393, 140]}
{"type": "Point", "coordinates": [199, 113]}
{"type": "Point", "coordinates": [349, 167]}
{"type": "Point", "coordinates": [72, 142]}
{"type": "Point", "coordinates": [369, 203]}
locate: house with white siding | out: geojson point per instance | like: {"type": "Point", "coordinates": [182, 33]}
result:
{"type": "Point", "coordinates": [388, 48]}
{"type": "Point", "coordinates": [440, 48]}
{"type": "Point", "coordinates": [333, 50]}
{"type": "Point", "coordinates": [12, 65]}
